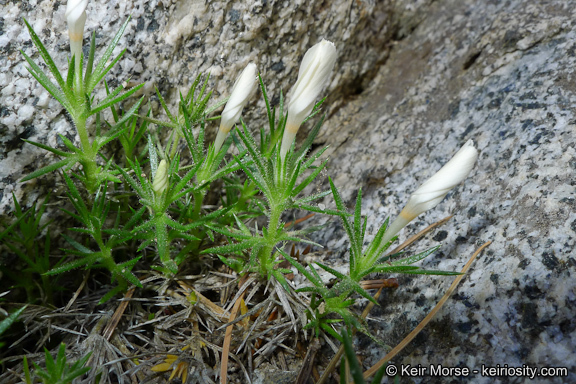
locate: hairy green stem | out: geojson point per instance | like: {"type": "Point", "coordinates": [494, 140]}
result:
{"type": "Point", "coordinates": [107, 259]}
{"type": "Point", "coordinates": [78, 83]}
{"type": "Point", "coordinates": [174, 144]}
{"type": "Point", "coordinates": [163, 245]}
{"type": "Point", "coordinates": [265, 254]}
{"type": "Point", "coordinates": [198, 201]}
{"type": "Point", "coordinates": [88, 159]}
{"type": "Point", "coordinates": [80, 123]}
{"type": "Point", "coordinates": [162, 242]}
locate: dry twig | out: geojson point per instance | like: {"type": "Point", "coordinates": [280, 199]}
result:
{"type": "Point", "coordinates": [113, 323]}
{"type": "Point", "coordinates": [228, 339]}
{"type": "Point", "coordinates": [415, 237]}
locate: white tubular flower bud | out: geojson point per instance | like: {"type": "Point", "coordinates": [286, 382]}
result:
{"type": "Point", "coordinates": [160, 178]}
{"type": "Point", "coordinates": [433, 190]}
{"type": "Point", "coordinates": [76, 17]}
{"type": "Point", "coordinates": [313, 75]}
{"type": "Point", "coordinates": [243, 88]}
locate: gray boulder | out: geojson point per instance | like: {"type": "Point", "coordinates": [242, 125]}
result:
{"type": "Point", "coordinates": [168, 43]}
{"type": "Point", "coordinates": [414, 81]}
{"type": "Point", "coordinates": [502, 74]}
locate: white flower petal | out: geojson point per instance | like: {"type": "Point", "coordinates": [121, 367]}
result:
{"type": "Point", "coordinates": [76, 18]}
{"type": "Point", "coordinates": [433, 190]}
{"type": "Point", "coordinates": [313, 75]}
{"type": "Point", "coordinates": [241, 91]}
{"type": "Point", "coordinates": [243, 88]}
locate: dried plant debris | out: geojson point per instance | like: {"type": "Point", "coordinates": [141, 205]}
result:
{"type": "Point", "coordinates": [177, 334]}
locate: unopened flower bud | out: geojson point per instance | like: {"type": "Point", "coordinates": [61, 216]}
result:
{"type": "Point", "coordinates": [433, 190]}
{"type": "Point", "coordinates": [313, 75]}
{"type": "Point", "coordinates": [243, 88]}
{"type": "Point", "coordinates": [76, 17]}
{"type": "Point", "coordinates": [160, 178]}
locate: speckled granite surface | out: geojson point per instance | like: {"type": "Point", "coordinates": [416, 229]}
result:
{"type": "Point", "coordinates": [501, 73]}
{"type": "Point", "coordinates": [168, 43]}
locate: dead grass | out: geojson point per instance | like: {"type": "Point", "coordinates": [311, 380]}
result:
{"type": "Point", "coordinates": [204, 326]}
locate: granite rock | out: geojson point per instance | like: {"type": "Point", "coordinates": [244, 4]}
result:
{"type": "Point", "coordinates": [168, 43]}
{"type": "Point", "coordinates": [502, 74]}
{"type": "Point", "coordinates": [414, 82]}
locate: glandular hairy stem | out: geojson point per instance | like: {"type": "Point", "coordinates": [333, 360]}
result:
{"type": "Point", "coordinates": [198, 201]}
{"type": "Point", "coordinates": [265, 255]}
{"type": "Point", "coordinates": [88, 159]}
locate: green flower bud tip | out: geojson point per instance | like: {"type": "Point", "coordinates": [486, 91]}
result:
{"type": "Point", "coordinates": [161, 178]}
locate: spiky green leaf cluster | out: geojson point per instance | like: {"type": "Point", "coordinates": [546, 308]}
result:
{"type": "Point", "coordinates": [280, 182]}
{"type": "Point", "coordinates": [75, 95]}
{"type": "Point", "coordinates": [338, 299]}
{"type": "Point", "coordinates": [64, 90]}
{"type": "Point", "coordinates": [104, 241]}
{"type": "Point", "coordinates": [24, 238]}
{"type": "Point", "coordinates": [364, 261]}
{"type": "Point", "coordinates": [182, 192]}
{"type": "Point", "coordinates": [57, 371]}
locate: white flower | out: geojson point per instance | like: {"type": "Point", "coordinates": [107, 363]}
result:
{"type": "Point", "coordinates": [243, 88]}
{"type": "Point", "coordinates": [76, 17]}
{"type": "Point", "coordinates": [160, 178]}
{"type": "Point", "coordinates": [313, 75]}
{"type": "Point", "coordinates": [433, 190]}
